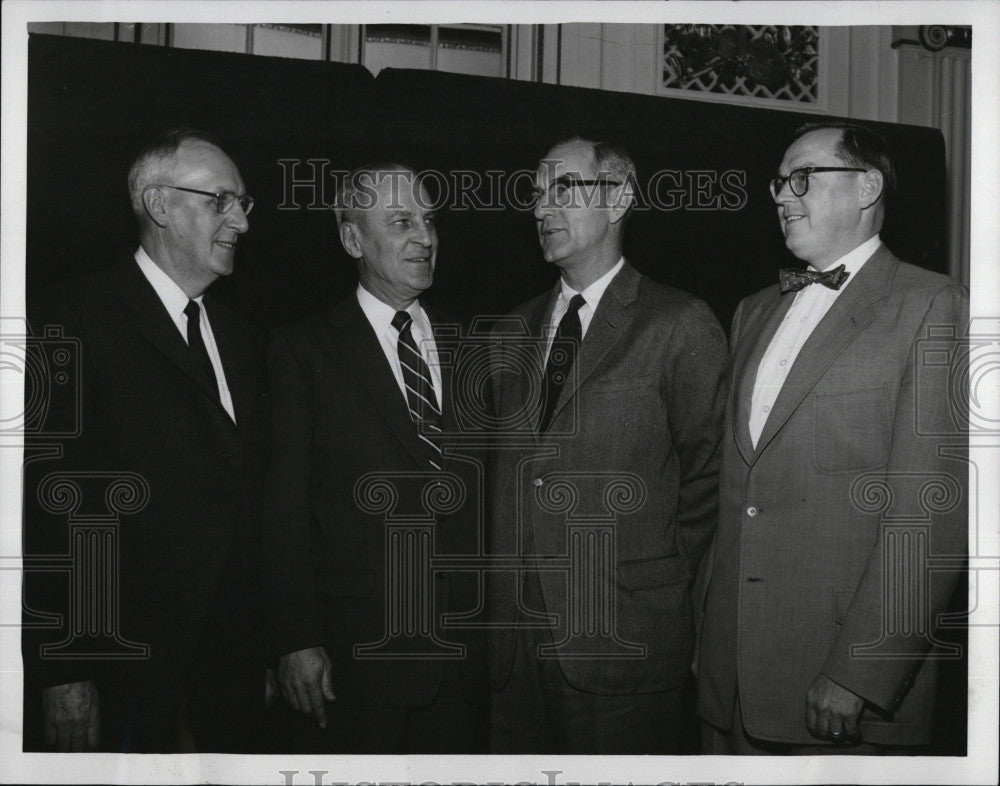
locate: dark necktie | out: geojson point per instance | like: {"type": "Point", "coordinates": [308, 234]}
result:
{"type": "Point", "coordinates": [561, 357]}
{"type": "Point", "coordinates": [792, 279]}
{"type": "Point", "coordinates": [420, 399]}
{"type": "Point", "coordinates": [196, 345]}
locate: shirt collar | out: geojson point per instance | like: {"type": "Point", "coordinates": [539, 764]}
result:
{"type": "Point", "coordinates": [172, 296]}
{"type": "Point", "coordinates": [381, 314]}
{"type": "Point", "coordinates": [854, 260]}
{"type": "Point", "coordinates": [595, 291]}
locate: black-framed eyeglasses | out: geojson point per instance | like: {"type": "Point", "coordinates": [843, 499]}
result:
{"type": "Point", "coordinates": [224, 200]}
{"type": "Point", "coordinates": [559, 189]}
{"type": "Point", "coordinates": [798, 179]}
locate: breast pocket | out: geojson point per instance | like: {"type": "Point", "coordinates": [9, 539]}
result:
{"type": "Point", "coordinates": [851, 431]}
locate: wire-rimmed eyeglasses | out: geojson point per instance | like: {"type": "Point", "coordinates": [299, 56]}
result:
{"type": "Point", "coordinates": [224, 200]}
{"type": "Point", "coordinates": [798, 179]}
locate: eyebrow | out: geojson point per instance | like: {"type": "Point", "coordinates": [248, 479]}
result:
{"type": "Point", "coordinates": [552, 182]}
{"type": "Point", "coordinates": [797, 166]}
{"type": "Point", "coordinates": [407, 214]}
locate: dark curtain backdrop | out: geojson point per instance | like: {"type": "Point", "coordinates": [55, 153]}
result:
{"type": "Point", "coordinates": [92, 104]}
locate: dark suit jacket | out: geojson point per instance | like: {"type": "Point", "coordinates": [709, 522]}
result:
{"type": "Point", "coordinates": [340, 416]}
{"type": "Point", "coordinates": [644, 403]}
{"type": "Point", "coordinates": [858, 427]}
{"type": "Point", "coordinates": [188, 558]}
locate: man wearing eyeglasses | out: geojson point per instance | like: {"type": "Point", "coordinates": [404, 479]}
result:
{"type": "Point", "coordinates": [172, 396]}
{"type": "Point", "coordinates": [819, 616]}
{"type": "Point", "coordinates": [623, 418]}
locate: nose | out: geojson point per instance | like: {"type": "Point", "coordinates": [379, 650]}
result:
{"type": "Point", "coordinates": [784, 194]}
{"type": "Point", "coordinates": [237, 219]}
{"type": "Point", "coordinates": [425, 234]}
{"type": "Point", "coordinates": [543, 206]}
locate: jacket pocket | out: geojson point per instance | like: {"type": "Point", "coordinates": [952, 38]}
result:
{"type": "Point", "coordinates": [850, 431]}
{"type": "Point", "coordinates": [652, 573]}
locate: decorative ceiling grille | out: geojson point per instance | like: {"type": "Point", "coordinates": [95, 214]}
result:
{"type": "Point", "coordinates": [760, 61]}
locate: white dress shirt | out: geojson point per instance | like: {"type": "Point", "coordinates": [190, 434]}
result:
{"type": "Point", "coordinates": [380, 316]}
{"type": "Point", "coordinates": [591, 294]}
{"type": "Point", "coordinates": [175, 301]}
{"type": "Point", "coordinates": [811, 304]}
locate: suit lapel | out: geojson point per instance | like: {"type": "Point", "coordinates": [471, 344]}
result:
{"type": "Point", "coordinates": [151, 319]}
{"type": "Point", "coordinates": [449, 332]}
{"type": "Point", "coordinates": [606, 327]}
{"type": "Point", "coordinates": [847, 317]}
{"type": "Point", "coordinates": [531, 391]}
{"type": "Point", "coordinates": [358, 343]}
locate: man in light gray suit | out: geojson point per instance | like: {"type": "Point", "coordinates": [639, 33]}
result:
{"type": "Point", "coordinates": [843, 468]}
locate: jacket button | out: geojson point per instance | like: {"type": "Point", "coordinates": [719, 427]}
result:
{"type": "Point", "coordinates": [752, 511]}
{"type": "Point", "coordinates": [538, 481]}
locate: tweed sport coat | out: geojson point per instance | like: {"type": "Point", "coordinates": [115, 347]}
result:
{"type": "Point", "coordinates": [635, 434]}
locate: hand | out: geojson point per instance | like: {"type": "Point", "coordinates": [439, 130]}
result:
{"type": "Point", "coordinates": [305, 679]}
{"type": "Point", "coordinates": [832, 711]}
{"type": "Point", "coordinates": [72, 716]}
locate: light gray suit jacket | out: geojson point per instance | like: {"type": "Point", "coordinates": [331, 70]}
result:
{"type": "Point", "coordinates": [859, 475]}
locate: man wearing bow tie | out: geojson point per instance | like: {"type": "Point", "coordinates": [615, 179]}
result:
{"type": "Point", "coordinates": [800, 651]}
{"type": "Point", "coordinates": [629, 394]}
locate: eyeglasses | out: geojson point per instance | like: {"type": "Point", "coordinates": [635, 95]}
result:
{"type": "Point", "coordinates": [798, 179]}
{"type": "Point", "coordinates": [224, 200]}
{"type": "Point", "coordinates": [559, 190]}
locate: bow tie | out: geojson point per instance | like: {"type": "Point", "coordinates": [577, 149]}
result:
{"type": "Point", "coordinates": [792, 280]}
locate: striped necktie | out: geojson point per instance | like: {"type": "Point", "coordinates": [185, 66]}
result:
{"type": "Point", "coordinates": [420, 399]}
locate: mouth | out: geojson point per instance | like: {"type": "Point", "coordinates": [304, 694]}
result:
{"type": "Point", "coordinates": [549, 231]}
{"type": "Point", "coordinates": [229, 245]}
{"type": "Point", "coordinates": [794, 217]}
{"type": "Point", "coordinates": [424, 260]}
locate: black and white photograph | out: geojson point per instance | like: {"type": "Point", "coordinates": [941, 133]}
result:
{"type": "Point", "coordinates": [519, 392]}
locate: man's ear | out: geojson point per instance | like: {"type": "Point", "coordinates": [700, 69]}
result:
{"type": "Point", "coordinates": [622, 199]}
{"type": "Point", "coordinates": [350, 238]}
{"type": "Point", "coordinates": [155, 203]}
{"type": "Point", "coordinates": [872, 185]}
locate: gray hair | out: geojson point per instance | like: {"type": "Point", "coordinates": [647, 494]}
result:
{"type": "Point", "coordinates": [355, 195]}
{"type": "Point", "coordinates": [156, 160]}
